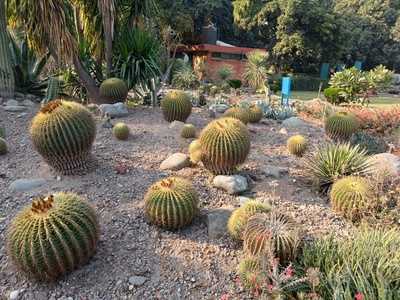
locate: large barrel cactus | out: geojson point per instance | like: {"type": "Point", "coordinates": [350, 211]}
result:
{"type": "Point", "coordinates": [239, 113]}
{"type": "Point", "coordinates": [53, 236]}
{"type": "Point", "coordinates": [340, 126]}
{"type": "Point", "coordinates": [63, 133]}
{"type": "Point", "coordinates": [225, 144]}
{"type": "Point", "coordinates": [171, 203]}
{"type": "Point", "coordinates": [239, 218]}
{"type": "Point", "coordinates": [255, 114]}
{"type": "Point", "coordinates": [297, 145]}
{"type": "Point", "coordinates": [352, 197]}
{"type": "Point", "coordinates": [176, 106]}
{"type": "Point", "coordinates": [272, 235]}
{"type": "Point", "coordinates": [113, 90]}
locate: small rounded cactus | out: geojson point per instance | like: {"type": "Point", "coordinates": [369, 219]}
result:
{"type": "Point", "coordinates": [113, 90]}
{"type": "Point", "coordinates": [239, 218]}
{"type": "Point", "coordinates": [249, 272]}
{"type": "Point", "coordinates": [121, 131]}
{"type": "Point", "coordinates": [176, 106]}
{"type": "Point", "coordinates": [188, 131]}
{"type": "Point", "coordinates": [171, 203]}
{"type": "Point", "coordinates": [239, 113]}
{"type": "Point", "coordinates": [63, 133]}
{"type": "Point", "coordinates": [255, 114]}
{"type": "Point", "coordinates": [53, 236]}
{"type": "Point", "coordinates": [271, 235]}
{"type": "Point", "coordinates": [3, 146]}
{"type": "Point", "coordinates": [352, 197]}
{"type": "Point", "coordinates": [297, 145]}
{"type": "Point", "coordinates": [340, 126]}
{"type": "Point", "coordinates": [195, 151]}
{"type": "Point", "coordinates": [225, 144]}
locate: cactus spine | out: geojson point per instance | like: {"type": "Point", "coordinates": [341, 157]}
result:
{"type": "Point", "coordinates": [176, 106]}
{"type": "Point", "coordinates": [225, 144]}
{"type": "Point", "coordinates": [341, 126]}
{"type": "Point", "coordinates": [53, 236]}
{"type": "Point", "coordinates": [113, 90]}
{"type": "Point", "coordinates": [63, 133]}
{"type": "Point", "coordinates": [297, 145]}
{"type": "Point", "coordinates": [121, 131]}
{"type": "Point", "coordinates": [188, 131]}
{"type": "Point", "coordinates": [171, 203]}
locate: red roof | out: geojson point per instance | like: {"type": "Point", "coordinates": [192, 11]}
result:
{"type": "Point", "coordinates": [217, 48]}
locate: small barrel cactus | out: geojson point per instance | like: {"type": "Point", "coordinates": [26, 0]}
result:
{"type": "Point", "coordinates": [255, 114]}
{"type": "Point", "coordinates": [239, 113]}
{"type": "Point", "coordinates": [113, 90]}
{"type": "Point", "coordinates": [3, 147]}
{"type": "Point", "coordinates": [352, 197]}
{"type": "Point", "coordinates": [297, 145]}
{"type": "Point", "coordinates": [272, 235]}
{"type": "Point", "coordinates": [195, 151]}
{"type": "Point", "coordinates": [188, 131]}
{"type": "Point", "coordinates": [121, 131]}
{"type": "Point", "coordinates": [239, 218]}
{"type": "Point", "coordinates": [176, 106]}
{"type": "Point", "coordinates": [340, 126]}
{"type": "Point", "coordinates": [63, 133]}
{"type": "Point", "coordinates": [53, 236]}
{"type": "Point", "coordinates": [171, 203]}
{"type": "Point", "coordinates": [249, 272]}
{"type": "Point", "coordinates": [225, 144]}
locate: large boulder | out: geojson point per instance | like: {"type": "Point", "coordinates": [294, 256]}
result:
{"type": "Point", "coordinates": [234, 184]}
{"type": "Point", "coordinates": [116, 110]}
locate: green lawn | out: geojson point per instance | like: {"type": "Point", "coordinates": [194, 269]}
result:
{"type": "Point", "coordinates": [379, 101]}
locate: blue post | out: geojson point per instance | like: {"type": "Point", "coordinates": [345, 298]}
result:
{"type": "Point", "coordinates": [358, 65]}
{"type": "Point", "coordinates": [286, 82]}
{"type": "Point", "coordinates": [324, 73]}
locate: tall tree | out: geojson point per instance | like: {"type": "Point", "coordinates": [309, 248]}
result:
{"type": "Point", "coordinates": [7, 84]}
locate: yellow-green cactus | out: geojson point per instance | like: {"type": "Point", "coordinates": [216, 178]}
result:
{"type": "Point", "coordinates": [188, 131]}
{"type": "Point", "coordinates": [249, 271]}
{"type": "Point", "coordinates": [340, 126]}
{"type": "Point", "coordinates": [113, 90]}
{"type": "Point", "coordinates": [297, 145]}
{"type": "Point", "coordinates": [3, 146]}
{"type": "Point", "coordinates": [239, 113]}
{"type": "Point", "coordinates": [255, 114]}
{"type": "Point", "coordinates": [195, 151]}
{"type": "Point", "coordinates": [176, 106]}
{"type": "Point", "coordinates": [121, 131]}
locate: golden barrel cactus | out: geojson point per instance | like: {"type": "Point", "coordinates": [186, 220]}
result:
{"type": "Point", "coordinates": [188, 131]}
{"type": "Point", "coordinates": [121, 131]}
{"type": "Point", "coordinates": [176, 106]}
{"type": "Point", "coordinates": [113, 90]}
{"type": "Point", "coordinates": [340, 126]}
{"type": "Point", "coordinates": [195, 151]}
{"type": "Point", "coordinates": [255, 114]}
{"type": "Point", "coordinates": [297, 145]}
{"type": "Point", "coordinates": [239, 113]}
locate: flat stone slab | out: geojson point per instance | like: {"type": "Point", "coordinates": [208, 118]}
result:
{"type": "Point", "coordinates": [14, 108]}
{"type": "Point", "coordinates": [24, 185]}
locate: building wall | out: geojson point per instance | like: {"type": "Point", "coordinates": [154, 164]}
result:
{"type": "Point", "coordinates": [214, 64]}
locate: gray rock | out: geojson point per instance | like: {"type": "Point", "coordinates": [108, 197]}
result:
{"type": "Point", "coordinates": [116, 110]}
{"type": "Point", "coordinates": [232, 184]}
{"type": "Point", "coordinates": [28, 103]}
{"type": "Point", "coordinates": [294, 123]}
{"type": "Point", "coordinates": [137, 280]}
{"type": "Point", "coordinates": [175, 162]}
{"type": "Point", "coordinates": [14, 295]}
{"type": "Point", "coordinates": [217, 220]}
{"type": "Point", "coordinates": [14, 108]}
{"type": "Point", "coordinates": [11, 102]}
{"type": "Point", "coordinates": [219, 108]}
{"type": "Point", "coordinates": [24, 185]}
{"type": "Point", "coordinates": [283, 131]}
{"type": "Point", "coordinates": [385, 164]}
{"type": "Point", "coordinates": [275, 172]}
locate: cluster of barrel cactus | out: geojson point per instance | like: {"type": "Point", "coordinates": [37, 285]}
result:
{"type": "Point", "coordinates": [176, 106]}
{"type": "Point", "coordinates": [113, 90]}
{"type": "Point", "coordinates": [340, 126]}
{"type": "Point", "coordinates": [297, 145]}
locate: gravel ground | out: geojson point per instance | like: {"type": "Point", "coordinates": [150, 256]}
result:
{"type": "Point", "coordinates": [176, 265]}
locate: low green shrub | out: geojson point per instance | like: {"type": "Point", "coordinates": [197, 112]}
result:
{"type": "Point", "coordinates": [333, 95]}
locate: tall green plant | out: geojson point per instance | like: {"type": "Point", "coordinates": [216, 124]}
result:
{"type": "Point", "coordinates": [7, 83]}
{"type": "Point", "coordinates": [256, 69]}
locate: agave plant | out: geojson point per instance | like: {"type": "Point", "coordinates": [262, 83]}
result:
{"type": "Point", "coordinates": [256, 69]}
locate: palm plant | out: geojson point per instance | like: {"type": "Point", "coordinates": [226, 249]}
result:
{"type": "Point", "coordinates": [256, 70]}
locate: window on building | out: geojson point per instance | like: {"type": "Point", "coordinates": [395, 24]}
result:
{"type": "Point", "coordinates": [234, 56]}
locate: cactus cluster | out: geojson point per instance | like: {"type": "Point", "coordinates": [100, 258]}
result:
{"type": "Point", "coordinates": [53, 236]}
{"type": "Point", "coordinates": [239, 113]}
{"type": "Point", "coordinates": [188, 131]}
{"type": "Point", "coordinates": [271, 235]}
{"type": "Point", "coordinates": [340, 126]}
{"type": "Point", "coordinates": [176, 106]}
{"type": "Point", "coordinates": [171, 203]}
{"type": "Point", "coordinates": [352, 197]}
{"type": "Point", "coordinates": [113, 90]}
{"type": "Point", "coordinates": [121, 131]}
{"type": "Point", "coordinates": [63, 133]}
{"type": "Point", "coordinates": [255, 114]}
{"type": "Point", "coordinates": [297, 145]}
{"type": "Point", "coordinates": [195, 151]}
{"type": "Point", "coordinates": [225, 144]}
{"type": "Point", "coordinates": [249, 271]}
{"type": "Point", "coordinates": [239, 218]}
{"type": "Point", "coordinates": [3, 146]}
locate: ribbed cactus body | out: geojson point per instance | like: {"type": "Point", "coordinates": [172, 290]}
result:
{"type": "Point", "coordinates": [271, 235]}
{"type": "Point", "coordinates": [225, 144]}
{"type": "Point", "coordinates": [63, 133]}
{"type": "Point", "coordinates": [249, 271]}
{"type": "Point", "coordinates": [171, 203]}
{"type": "Point", "coordinates": [340, 126]}
{"type": "Point", "coordinates": [255, 114]}
{"type": "Point", "coordinates": [113, 90]}
{"type": "Point", "coordinates": [53, 236]}
{"type": "Point", "coordinates": [239, 218]}
{"type": "Point", "coordinates": [121, 131]}
{"type": "Point", "coordinates": [239, 113]}
{"type": "Point", "coordinates": [3, 146]}
{"type": "Point", "coordinates": [7, 80]}
{"type": "Point", "coordinates": [195, 151]}
{"type": "Point", "coordinates": [176, 106]}
{"type": "Point", "coordinates": [297, 145]}
{"type": "Point", "coordinates": [352, 197]}
{"type": "Point", "coordinates": [188, 131]}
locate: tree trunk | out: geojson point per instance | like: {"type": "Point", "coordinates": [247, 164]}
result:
{"type": "Point", "coordinates": [7, 82]}
{"type": "Point", "coordinates": [88, 82]}
{"type": "Point", "coordinates": [107, 10]}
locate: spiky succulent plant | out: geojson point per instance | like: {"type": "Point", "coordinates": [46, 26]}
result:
{"type": "Point", "coordinates": [188, 131]}
{"type": "Point", "coordinates": [3, 146]}
{"type": "Point", "coordinates": [239, 113]}
{"type": "Point", "coordinates": [297, 145]}
{"type": "Point", "coordinates": [225, 144]}
{"type": "Point", "coordinates": [249, 272]}
{"type": "Point", "coordinates": [63, 133]}
{"type": "Point", "coordinates": [255, 114]}
{"type": "Point", "coordinates": [340, 126]}
{"type": "Point", "coordinates": [171, 203]}
{"type": "Point", "coordinates": [113, 90]}
{"type": "Point", "coordinates": [239, 218]}
{"type": "Point", "coordinates": [53, 236]}
{"type": "Point", "coordinates": [353, 197]}
{"type": "Point", "coordinates": [272, 235]}
{"type": "Point", "coordinates": [334, 161]}
{"type": "Point", "coordinates": [176, 106]}
{"type": "Point", "coordinates": [195, 151]}
{"type": "Point", "coordinates": [121, 131]}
